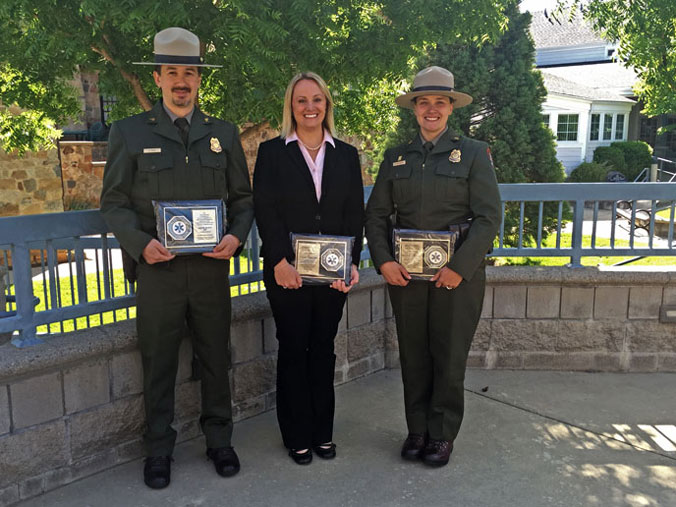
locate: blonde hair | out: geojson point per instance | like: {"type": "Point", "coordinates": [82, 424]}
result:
{"type": "Point", "coordinates": [289, 122]}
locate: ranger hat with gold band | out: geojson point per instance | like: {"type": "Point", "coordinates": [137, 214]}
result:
{"type": "Point", "coordinates": [434, 81]}
{"type": "Point", "coordinates": [177, 46]}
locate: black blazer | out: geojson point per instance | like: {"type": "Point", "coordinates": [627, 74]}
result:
{"type": "Point", "coordinates": [285, 199]}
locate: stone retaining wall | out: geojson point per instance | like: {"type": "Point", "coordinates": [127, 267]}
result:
{"type": "Point", "coordinates": [30, 184]}
{"type": "Point", "coordinates": [73, 406]}
{"type": "Point", "coordinates": [582, 319]}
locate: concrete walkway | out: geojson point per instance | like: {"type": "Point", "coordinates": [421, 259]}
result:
{"type": "Point", "coordinates": [532, 439]}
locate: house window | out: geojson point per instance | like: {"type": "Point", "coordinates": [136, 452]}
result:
{"type": "Point", "coordinates": [607, 127]}
{"type": "Point", "coordinates": [567, 127]}
{"type": "Point", "coordinates": [595, 127]}
{"type": "Point", "coordinates": [619, 127]}
{"type": "Point", "coordinates": [545, 119]}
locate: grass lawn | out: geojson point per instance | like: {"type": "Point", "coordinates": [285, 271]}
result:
{"type": "Point", "coordinates": [95, 292]}
{"type": "Point", "coordinates": [566, 239]}
{"type": "Point", "coordinates": [665, 213]}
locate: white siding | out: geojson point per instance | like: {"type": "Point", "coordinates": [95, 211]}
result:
{"type": "Point", "coordinates": [570, 153]}
{"type": "Point", "coordinates": [569, 156]}
{"type": "Point", "coordinates": [571, 54]}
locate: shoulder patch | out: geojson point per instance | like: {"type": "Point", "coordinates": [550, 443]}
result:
{"type": "Point", "coordinates": [490, 157]}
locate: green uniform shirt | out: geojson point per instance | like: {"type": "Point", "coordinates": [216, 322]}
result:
{"type": "Point", "coordinates": [453, 183]}
{"type": "Point", "coordinates": [148, 161]}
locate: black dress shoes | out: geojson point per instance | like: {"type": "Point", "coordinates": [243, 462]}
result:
{"type": "Point", "coordinates": [225, 460]}
{"type": "Point", "coordinates": [301, 458]}
{"type": "Point", "coordinates": [437, 452]}
{"type": "Point", "coordinates": [325, 451]}
{"type": "Point", "coordinates": [413, 446]}
{"type": "Point", "coordinates": [157, 471]}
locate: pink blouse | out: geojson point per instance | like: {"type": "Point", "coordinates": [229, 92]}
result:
{"type": "Point", "coordinates": [316, 166]}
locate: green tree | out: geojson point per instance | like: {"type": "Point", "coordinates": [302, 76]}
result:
{"type": "Point", "coordinates": [506, 112]}
{"type": "Point", "coordinates": [363, 48]}
{"type": "Point", "coordinates": [645, 31]}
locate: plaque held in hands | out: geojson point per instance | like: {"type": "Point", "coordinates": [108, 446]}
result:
{"type": "Point", "coordinates": [185, 227]}
{"type": "Point", "coordinates": [423, 253]}
{"type": "Point", "coordinates": [321, 259]}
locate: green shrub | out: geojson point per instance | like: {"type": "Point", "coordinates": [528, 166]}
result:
{"type": "Point", "coordinates": [612, 157]}
{"type": "Point", "coordinates": [637, 156]}
{"type": "Point", "coordinates": [588, 172]}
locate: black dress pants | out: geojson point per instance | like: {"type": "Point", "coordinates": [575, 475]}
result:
{"type": "Point", "coordinates": [307, 321]}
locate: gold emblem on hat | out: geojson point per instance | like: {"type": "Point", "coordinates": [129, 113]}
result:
{"type": "Point", "coordinates": [455, 156]}
{"type": "Point", "coordinates": [215, 145]}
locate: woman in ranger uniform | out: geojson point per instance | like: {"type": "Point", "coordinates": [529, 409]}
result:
{"type": "Point", "coordinates": [439, 181]}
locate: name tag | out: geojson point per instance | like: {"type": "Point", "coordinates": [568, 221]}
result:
{"type": "Point", "coordinates": [398, 162]}
{"type": "Point", "coordinates": [152, 150]}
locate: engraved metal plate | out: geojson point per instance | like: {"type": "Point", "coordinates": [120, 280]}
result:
{"type": "Point", "coordinates": [321, 259]}
{"type": "Point", "coordinates": [423, 253]}
{"type": "Point", "coordinates": [189, 226]}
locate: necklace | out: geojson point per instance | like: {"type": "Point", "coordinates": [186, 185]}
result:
{"type": "Point", "coordinates": [311, 148]}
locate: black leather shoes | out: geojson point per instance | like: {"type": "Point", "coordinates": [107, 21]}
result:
{"type": "Point", "coordinates": [413, 446]}
{"type": "Point", "coordinates": [325, 451]}
{"type": "Point", "coordinates": [301, 458]}
{"type": "Point", "coordinates": [157, 471]}
{"type": "Point", "coordinates": [225, 460]}
{"type": "Point", "coordinates": [437, 452]}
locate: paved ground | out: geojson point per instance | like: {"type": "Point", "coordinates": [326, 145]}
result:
{"type": "Point", "coordinates": [533, 439]}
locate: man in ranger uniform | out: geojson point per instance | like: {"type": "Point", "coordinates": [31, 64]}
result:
{"type": "Point", "coordinates": [439, 181]}
{"type": "Point", "coordinates": [176, 152]}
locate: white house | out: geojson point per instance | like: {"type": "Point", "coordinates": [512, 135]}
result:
{"type": "Point", "coordinates": [589, 96]}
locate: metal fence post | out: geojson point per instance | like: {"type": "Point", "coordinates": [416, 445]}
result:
{"type": "Point", "coordinates": [4, 337]}
{"type": "Point", "coordinates": [23, 287]}
{"type": "Point", "coordinates": [576, 240]}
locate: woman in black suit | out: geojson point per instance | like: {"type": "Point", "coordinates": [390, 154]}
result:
{"type": "Point", "coordinates": [306, 181]}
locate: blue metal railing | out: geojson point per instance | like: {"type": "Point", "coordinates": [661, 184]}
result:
{"type": "Point", "coordinates": [89, 274]}
{"type": "Point", "coordinates": [581, 196]}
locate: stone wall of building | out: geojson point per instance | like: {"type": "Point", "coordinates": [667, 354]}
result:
{"type": "Point", "coordinates": [30, 184]}
{"type": "Point", "coordinates": [70, 178]}
{"type": "Point", "coordinates": [82, 164]}
{"type": "Point", "coordinates": [251, 137]}
{"type": "Point", "coordinates": [87, 86]}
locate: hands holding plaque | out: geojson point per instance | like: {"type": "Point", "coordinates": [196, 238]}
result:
{"type": "Point", "coordinates": [185, 227]}
{"type": "Point", "coordinates": [423, 253]}
{"type": "Point", "coordinates": [323, 259]}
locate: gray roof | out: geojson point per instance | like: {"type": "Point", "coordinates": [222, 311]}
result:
{"type": "Point", "coordinates": [612, 77]}
{"type": "Point", "coordinates": [560, 86]}
{"type": "Point", "coordinates": [550, 32]}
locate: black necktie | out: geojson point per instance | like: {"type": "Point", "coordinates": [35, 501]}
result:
{"type": "Point", "coordinates": [183, 128]}
{"type": "Point", "coordinates": [429, 146]}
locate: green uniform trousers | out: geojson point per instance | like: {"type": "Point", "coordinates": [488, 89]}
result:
{"type": "Point", "coordinates": [435, 329]}
{"type": "Point", "coordinates": [191, 291]}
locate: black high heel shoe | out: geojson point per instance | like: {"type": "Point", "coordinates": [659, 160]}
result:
{"type": "Point", "coordinates": [325, 451]}
{"type": "Point", "coordinates": [301, 458]}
